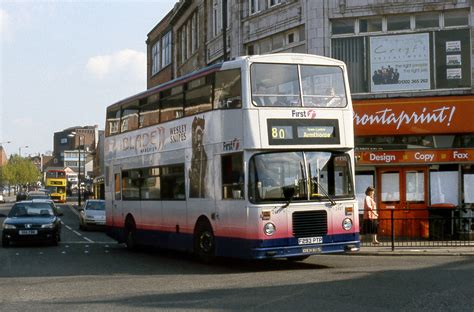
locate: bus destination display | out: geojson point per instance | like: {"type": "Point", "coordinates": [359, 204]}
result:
{"type": "Point", "coordinates": [302, 131]}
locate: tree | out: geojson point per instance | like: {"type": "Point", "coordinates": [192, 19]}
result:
{"type": "Point", "coordinates": [20, 171]}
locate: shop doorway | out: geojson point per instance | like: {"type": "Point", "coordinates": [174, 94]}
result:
{"type": "Point", "coordinates": [405, 191]}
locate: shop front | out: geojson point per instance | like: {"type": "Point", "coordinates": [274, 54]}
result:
{"type": "Point", "coordinates": [419, 154]}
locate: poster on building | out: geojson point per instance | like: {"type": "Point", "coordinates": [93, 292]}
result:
{"type": "Point", "coordinates": [400, 62]}
{"type": "Point", "coordinates": [453, 46]}
{"type": "Point", "coordinates": [453, 73]}
{"type": "Point", "coordinates": [453, 60]}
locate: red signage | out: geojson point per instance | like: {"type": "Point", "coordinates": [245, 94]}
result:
{"type": "Point", "coordinates": [424, 115]}
{"type": "Point", "coordinates": [415, 156]}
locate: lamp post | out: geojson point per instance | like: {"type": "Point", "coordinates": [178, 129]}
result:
{"type": "Point", "coordinates": [73, 134]}
{"type": "Point", "coordinates": [19, 149]}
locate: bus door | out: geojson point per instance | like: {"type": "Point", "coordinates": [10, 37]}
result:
{"type": "Point", "coordinates": [404, 190]}
{"type": "Point", "coordinates": [116, 190]}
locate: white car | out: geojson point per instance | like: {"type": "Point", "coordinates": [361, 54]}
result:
{"type": "Point", "coordinates": [2, 200]}
{"type": "Point", "coordinates": [92, 213]}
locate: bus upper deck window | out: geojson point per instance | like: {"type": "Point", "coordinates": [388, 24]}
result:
{"type": "Point", "coordinates": [228, 89]}
{"type": "Point", "coordinates": [275, 85]}
{"type": "Point", "coordinates": [323, 86]}
{"type": "Point", "coordinates": [113, 121]}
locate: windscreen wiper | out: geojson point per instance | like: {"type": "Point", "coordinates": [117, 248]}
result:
{"type": "Point", "coordinates": [324, 192]}
{"type": "Point", "coordinates": [320, 188]}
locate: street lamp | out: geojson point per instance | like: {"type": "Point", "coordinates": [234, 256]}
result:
{"type": "Point", "coordinates": [73, 134]}
{"type": "Point", "coordinates": [19, 149]}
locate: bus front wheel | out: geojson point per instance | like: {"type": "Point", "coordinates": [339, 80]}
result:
{"type": "Point", "coordinates": [204, 242]}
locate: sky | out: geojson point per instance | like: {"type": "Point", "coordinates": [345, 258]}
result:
{"type": "Point", "coordinates": [63, 62]}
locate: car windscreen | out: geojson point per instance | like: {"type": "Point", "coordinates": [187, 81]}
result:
{"type": "Point", "coordinates": [31, 210]}
{"type": "Point", "coordinates": [95, 206]}
{"type": "Point", "coordinates": [39, 196]}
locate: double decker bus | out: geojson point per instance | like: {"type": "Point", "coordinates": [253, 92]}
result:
{"type": "Point", "coordinates": [56, 183]}
{"type": "Point", "coordinates": [250, 158]}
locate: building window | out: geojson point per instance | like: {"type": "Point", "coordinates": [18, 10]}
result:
{"type": "Point", "coordinates": [370, 25]}
{"type": "Point", "coordinates": [250, 49]}
{"type": "Point", "coordinates": [166, 50]}
{"type": "Point", "coordinates": [291, 38]}
{"type": "Point", "coordinates": [439, 59]}
{"type": "Point", "coordinates": [254, 6]}
{"type": "Point", "coordinates": [426, 20]}
{"type": "Point", "coordinates": [456, 18]}
{"type": "Point", "coordinates": [194, 32]}
{"type": "Point", "coordinates": [344, 26]}
{"type": "Point", "coordinates": [273, 3]}
{"type": "Point", "coordinates": [63, 140]}
{"type": "Point", "coordinates": [155, 58]}
{"type": "Point", "coordinates": [215, 18]}
{"type": "Point", "coordinates": [398, 22]}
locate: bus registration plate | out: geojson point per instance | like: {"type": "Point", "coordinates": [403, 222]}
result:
{"type": "Point", "coordinates": [310, 240]}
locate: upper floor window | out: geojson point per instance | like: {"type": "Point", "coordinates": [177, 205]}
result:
{"type": "Point", "coordinates": [254, 6]}
{"type": "Point", "coordinates": [166, 49]}
{"type": "Point", "coordinates": [398, 22]}
{"type": "Point", "coordinates": [155, 58]}
{"type": "Point", "coordinates": [439, 55]}
{"type": "Point", "coordinates": [161, 53]}
{"type": "Point", "coordinates": [273, 2]}
{"type": "Point", "coordinates": [426, 20]}
{"type": "Point", "coordinates": [456, 18]}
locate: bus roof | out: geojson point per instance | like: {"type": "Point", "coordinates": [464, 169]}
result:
{"type": "Point", "coordinates": [299, 58]}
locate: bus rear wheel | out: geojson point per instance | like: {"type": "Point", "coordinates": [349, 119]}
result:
{"type": "Point", "coordinates": [130, 236]}
{"type": "Point", "coordinates": [204, 242]}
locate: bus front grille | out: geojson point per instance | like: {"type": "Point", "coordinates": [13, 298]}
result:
{"type": "Point", "coordinates": [310, 223]}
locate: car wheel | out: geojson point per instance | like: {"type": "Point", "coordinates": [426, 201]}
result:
{"type": "Point", "coordinates": [5, 242]}
{"type": "Point", "coordinates": [56, 239]}
{"type": "Point", "coordinates": [204, 242]}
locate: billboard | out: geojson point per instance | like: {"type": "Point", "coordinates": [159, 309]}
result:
{"type": "Point", "coordinates": [400, 62]}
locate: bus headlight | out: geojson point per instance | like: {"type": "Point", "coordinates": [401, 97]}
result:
{"type": "Point", "coordinates": [269, 229]}
{"type": "Point", "coordinates": [347, 224]}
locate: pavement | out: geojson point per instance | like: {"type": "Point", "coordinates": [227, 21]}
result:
{"type": "Point", "coordinates": [457, 248]}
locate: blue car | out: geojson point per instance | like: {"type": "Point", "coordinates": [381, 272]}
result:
{"type": "Point", "coordinates": [31, 221]}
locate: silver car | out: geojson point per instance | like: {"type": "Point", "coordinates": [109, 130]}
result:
{"type": "Point", "coordinates": [92, 214]}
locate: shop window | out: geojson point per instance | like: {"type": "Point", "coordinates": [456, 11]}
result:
{"type": "Point", "coordinates": [390, 191]}
{"type": "Point", "coordinates": [468, 185]}
{"type": "Point", "coordinates": [456, 18]}
{"type": "Point", "coordinates": [415, 186]}
{"type": "Point", "coordinates": [426, 20]}
{"type": "Point", "coordinates": [232, 176]}
{"type": "Point", "coordinates": [398, 22]}
{"type": "Point", "coordinates": [343, 26]}
{"type": "Point", "coordinates": [370, 25]}
{"type": "Point", "coordinates": [363, 180]}
{"type": "Point", "coordinates": [227, 90]}
{"type": "Point", "coordinates": [444, 185]}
